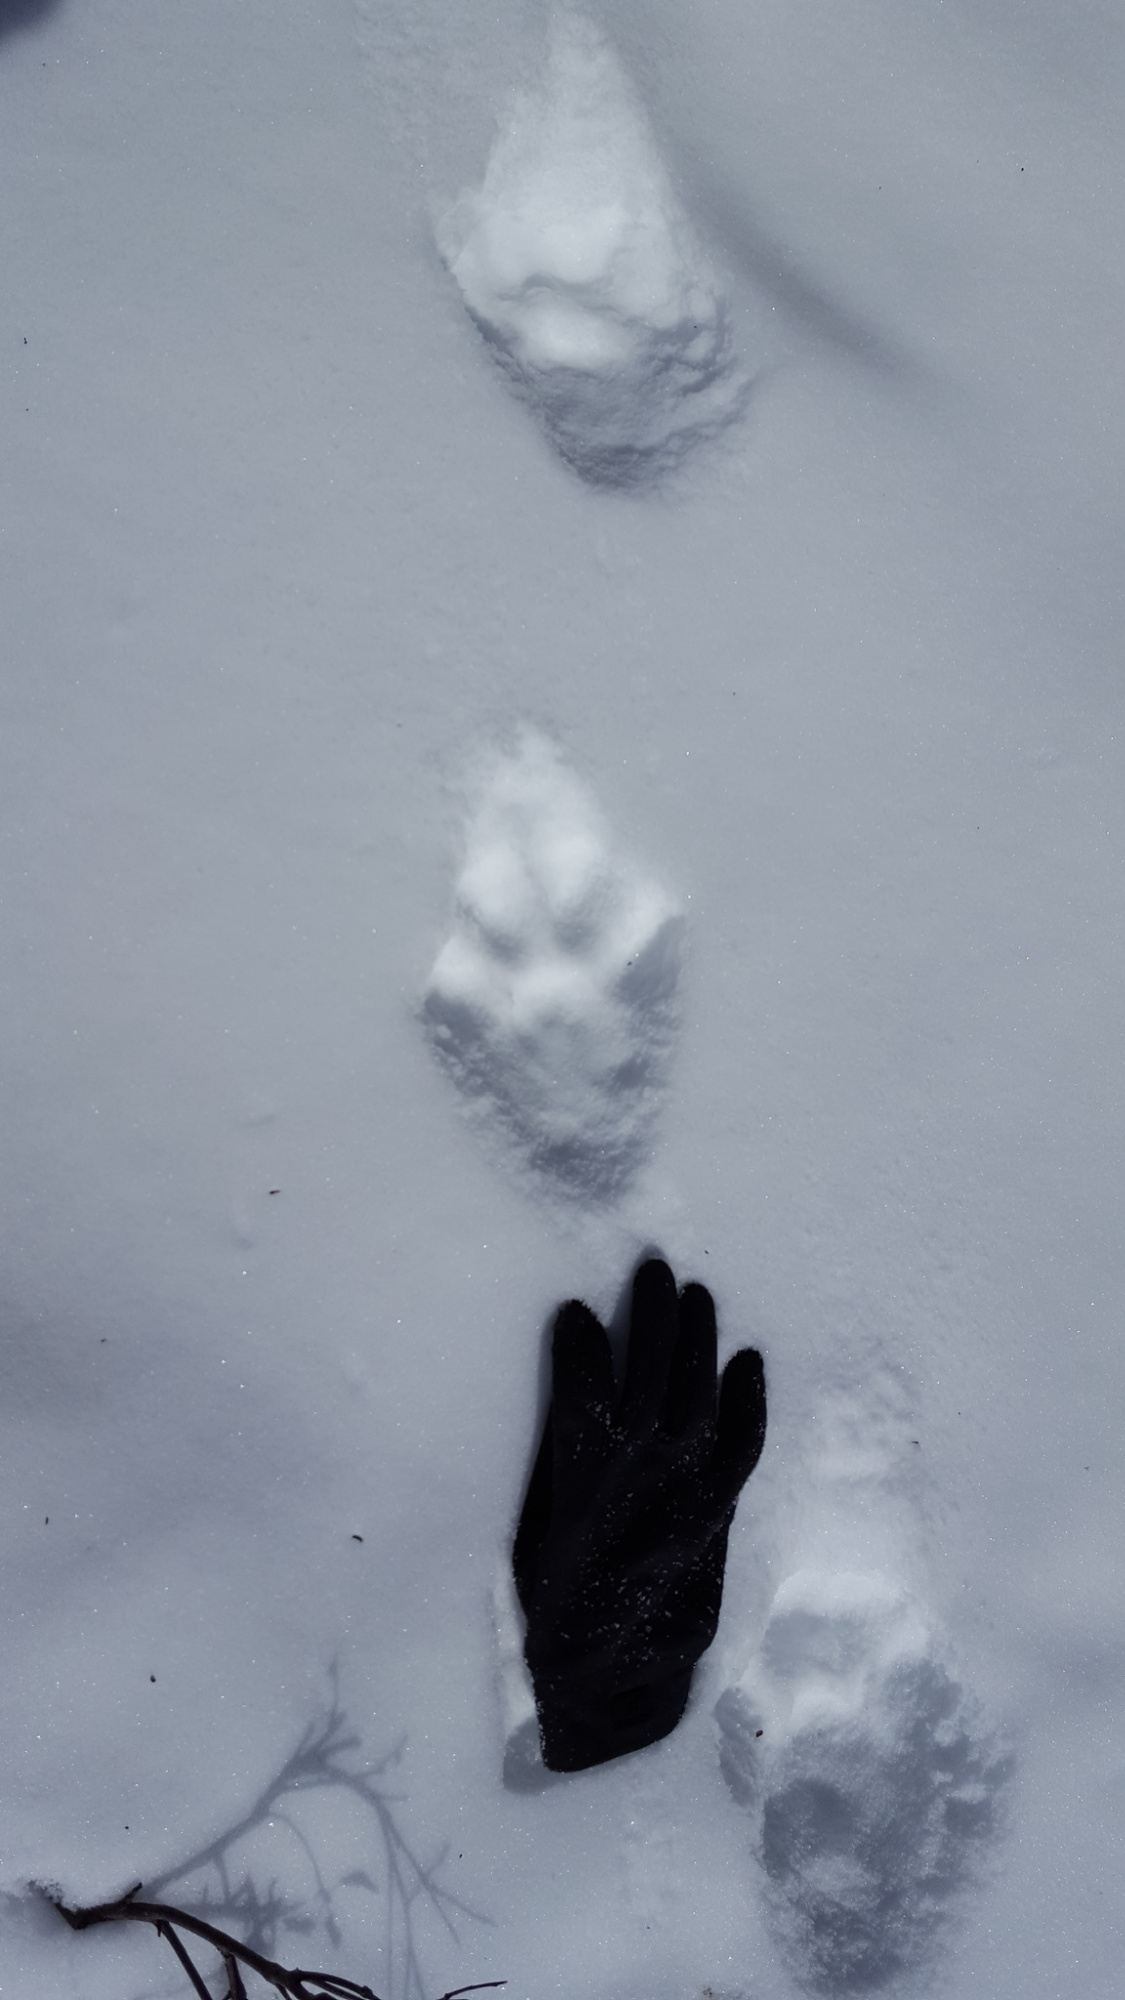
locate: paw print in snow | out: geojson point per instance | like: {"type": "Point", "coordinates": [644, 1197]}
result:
{"type": "Point", "coordinates": [581, 270]}
{"type": "Point", "coordinates": [870, 1778]}
{"type": "Point", "coordinates": [553, 1002]}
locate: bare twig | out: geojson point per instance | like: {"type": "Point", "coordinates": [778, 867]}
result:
{"type": "Point", "coordinates": [482, 1986]}
{"type": "Point", "coordinates": [181, 1951]}
{"type": "Point", "coordinates": [328, 1757]}
{"type": "Point", "coordinates": [294, 1983]}
{"type": "Point", "coordinates": [236, 1989]}
{"type": "Point", "coordinates": [215, 1885]}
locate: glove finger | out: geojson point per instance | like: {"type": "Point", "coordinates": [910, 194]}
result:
{"type": "Point", "coordinates": [535, 1520]}
{"type": "Point", "coordinates": [689, 1404]}
{"type": "Point", "coordinates": [583, 1383]}
{"type": "Point", "coordinates": [653, 1331]}
{"type": "Point", "coordinates": [741, 1429]}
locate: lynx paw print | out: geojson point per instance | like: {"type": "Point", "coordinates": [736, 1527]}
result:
{"type": "Point", "coordinates": [581, 270]}
{"type": "Point", "coordinates": [871, 1781]}
{"type": "Point", "coordinates": [552, 1004]}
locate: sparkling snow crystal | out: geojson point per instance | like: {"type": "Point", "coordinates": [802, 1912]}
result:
{"type": "Point", "coordinates": [868, 1774]}
{"type": "Point", "coordinates": [553, 1001]}
{"type": "Point", "coordinates": [580, 268]}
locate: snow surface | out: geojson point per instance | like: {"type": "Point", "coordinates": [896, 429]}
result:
{"type": "Point", "coordinates": [288, 571]}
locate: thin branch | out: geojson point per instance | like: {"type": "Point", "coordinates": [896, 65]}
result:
{"type": "Point", "coordinates": [325, 1759]}
{"type": "Point", "coordinates": [236, 1989]}
{"type": "Point", "coordinates": [217, 1888]}
{"type": "Point", "coordinates": [181, 1951]}
{"type": "Point", "coordinates": [482, 1986]}
{"type": "Point", "coordinates": [296, 1984]}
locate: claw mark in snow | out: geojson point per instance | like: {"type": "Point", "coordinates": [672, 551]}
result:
{"type": "Point", "coordinates": [553, 1002]}
{"type": "Point", "coordinates": [581, 270]}
{"type": "Point", "coordinates": [870, 1778]}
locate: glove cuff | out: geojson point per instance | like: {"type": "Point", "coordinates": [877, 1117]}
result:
{"type": "Point", "coordinates": [582, 1725]}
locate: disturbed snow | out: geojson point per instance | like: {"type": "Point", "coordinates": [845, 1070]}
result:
{"type": "Point", "coordinates": [286, 554]}
{"type": "Point", "coordinates": [582, 271]}
{"type": "Point", "coordinates": [869, 1775]}
{"type": "Point", "coordinates": [553, 1002]}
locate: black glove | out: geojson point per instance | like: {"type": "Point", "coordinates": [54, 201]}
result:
{"type": "Point", "coordinates": [622, 1541]}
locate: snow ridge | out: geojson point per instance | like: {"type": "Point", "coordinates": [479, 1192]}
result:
{"type": "Point", "coordinates": [553, 1002]}
{"type": "Point", "coordinates": [869, 1775]}
{"type": "Point", "coordinates": [580, 268]}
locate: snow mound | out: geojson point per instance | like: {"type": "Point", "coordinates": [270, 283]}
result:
{"type": "Point", "coordinates": [523, 1766]}
{"type": "Point", "coordinates": [870, 1777]}
{"type": "Point", "coordinates": [579, 266]}
{"type": "Point", "coordinates": [553, 1002]}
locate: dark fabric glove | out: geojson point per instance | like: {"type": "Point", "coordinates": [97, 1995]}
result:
{"type": "Point", "coordinates": [622, 1541]}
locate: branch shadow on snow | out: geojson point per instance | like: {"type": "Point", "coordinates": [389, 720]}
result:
{"type": "Point", "coordinates": [232, 1884]}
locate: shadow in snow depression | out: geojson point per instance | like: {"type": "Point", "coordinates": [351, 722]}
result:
{"type": "Point", "coordinates": [553, 1002]}
{"type": "Point", "coordinates": [872, 1781]}
{"type": "Point", "coordinates": [580, 268]}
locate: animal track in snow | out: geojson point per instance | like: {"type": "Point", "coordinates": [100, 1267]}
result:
{"type": "Point", "coordinates": [552, 1004]}
{"type": "Point", "coordinates": [870, 1777]}
{"type": "Point", "coordinates": [581, 270]}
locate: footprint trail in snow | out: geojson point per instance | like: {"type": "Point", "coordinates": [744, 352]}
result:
{"type": "Point", "coordinates": [581, 270]}
{"type": "Point", "coordinates": [553, 1002]}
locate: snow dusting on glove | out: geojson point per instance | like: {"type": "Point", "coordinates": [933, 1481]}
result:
{"type": "Point", "coordinates": [621, 1544]}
